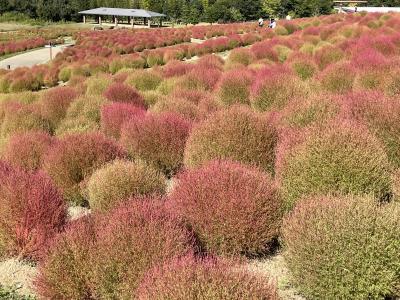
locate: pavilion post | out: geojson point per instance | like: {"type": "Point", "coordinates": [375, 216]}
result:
{"type": "Point", "coordinates": [84, 19]}
{"type": "Point", "coordinates": [144, 21]}
{"type": "Point", "coordinates": [148, 22]}
{"type": "Point", "coordinates": [133, 22]}
{"type": "Point", "coordinates": [160, 22]}
{"type": "Point", "coordinates": [116, 20]}
{"type": "Point", "coordinates": [100, 20]}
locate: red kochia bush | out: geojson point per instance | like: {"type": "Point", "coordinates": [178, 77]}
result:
{"type": "Point", "coordinates": [158, 139]}
{"type": "Point", "coordinates": [27, 150]}
{"type": "Point", "coordinates": [55, 102]}
{"type": "Point", "coordinates": [75, 157]}
{"type": "Point", "coordinates": [119, 92]}
{"type": "Point", "coordinates": [234, 209]}
{"type": "Point", "coordinates": [32, 211]}
{"type": "Point", "coordinates": [114, 115]}
{"type": "Point", "coordinates": [204, 278]}
{"type": "Point", "coordinates": [104, 256]}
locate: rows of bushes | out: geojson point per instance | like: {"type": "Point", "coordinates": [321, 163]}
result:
{"type": "Point", "coordinates": [192, 169]}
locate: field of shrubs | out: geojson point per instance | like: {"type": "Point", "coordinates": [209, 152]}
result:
{"type": "Point", "coordinates": [186, 166]}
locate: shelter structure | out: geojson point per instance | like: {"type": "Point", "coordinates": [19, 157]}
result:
{"type": "Point", "coordinates": [118, 13]}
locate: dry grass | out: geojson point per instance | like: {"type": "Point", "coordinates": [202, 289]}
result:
{"type": "Point", "coordinates": [275, 267]}
{"type": "Point", "coordinates": [18, 274]}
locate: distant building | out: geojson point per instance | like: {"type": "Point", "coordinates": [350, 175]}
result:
{"type": "Point", "coordinates": [117, 13]}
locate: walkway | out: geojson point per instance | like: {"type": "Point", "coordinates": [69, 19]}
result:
{"type": "Point", "coordinates": [31, 58]}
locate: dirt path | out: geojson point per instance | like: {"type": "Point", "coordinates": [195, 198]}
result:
{"type": "Point", "coordinates": [31, 58]}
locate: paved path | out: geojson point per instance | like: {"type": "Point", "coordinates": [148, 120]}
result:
{"type": "Point", "coordinates": [29, 59]}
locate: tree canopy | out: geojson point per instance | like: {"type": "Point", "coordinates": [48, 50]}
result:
{"type": "Point", "coordinates": [187, 11]}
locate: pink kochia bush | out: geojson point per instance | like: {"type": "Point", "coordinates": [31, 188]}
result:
{"type": "Point", "coordinates": [32, 212]}
{"type": "Point", "coordinates": [159, 139]}
{"type": "Point", "coordinates": [119, 92]}
{"type": "Point", "coordinates": [234, 209]}
{"type": "Point", "coordinates": [204, 278]}
{"type": "Point", "coordinates": [237, 134]}
{"type": "Point", "coordinates": [74, 158]}
{"type": "Point", "coordinates": [105, 256]}
{"type": "Point", "coordinates": [114, 115]}
{"type": "Point", "coordinates": [27, 150]}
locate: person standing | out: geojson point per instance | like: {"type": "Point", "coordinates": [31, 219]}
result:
{"type": "Point", "coordinates": [260, 22]}
{"type": "Point", "coordinates": [272, 24]}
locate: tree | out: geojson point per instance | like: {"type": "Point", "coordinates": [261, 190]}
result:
{"type": "Point", "coordinates": [273, 8]}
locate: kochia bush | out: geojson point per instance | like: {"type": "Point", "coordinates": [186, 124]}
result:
{"type": "Point", "coordinates": [244, 199]}
{"type": "Point", "coordinates": [121, 180]}
{"type": "Point", "coordinates": [105, 256]}
{"type": "Point", "coordinates": [119, 92]}
{"type": "Point", "coordinates": [32, 212]}
{"type": "Point", "coordinates": [74, 158]}
{"type": "Point", "coordinates": [204, 278]}
{"type": "Point", "coordinates": [55, 102]}
{"type": "Point", "coordinates": [27, 150]}
{"type": "Point", "coordinates": [341, 157]}
{"type": "Point", "coordinates": [355, 245]}
{"type": "Point", "coordinates": [234, 87]}
{"type": "Point", "coordinates": [158, 139]}
{"type": "Point", "coordinates": [114, 115]}
{"type": "Point", "coordinates": [235, 134]}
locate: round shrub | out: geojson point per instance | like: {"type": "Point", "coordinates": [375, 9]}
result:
{"type": "Point", "coordinates": [27, 150]}
{"type": "Point", "coordinates": [304, 112]}
{"type": "Point", "coordinates": [74, 158]}
{"type": "Point", "coordinates": [119, 92]}
{"type": "Point", "coordinates": [204, 278]}
{"type": "Point", "coordinates": [340, 157]}
{"type": "Point", "coordinates": [158, 139]}
{"type": "Point", "coordinates": [114, 115]}
{"type": "Point", "coordinates": [32, 212]}
{"type": "Point", "coordinates": [97, 85]}
{"type": "Point", "coordinates": [202, 77]}
{"type": "Point", "coordinates": [236, 134]}
{"type": "Point", "coordinates": [274, 87]}
{"type": "Point", "coordinates": [381, 114]}
{"type": "Point", "coordinates": [328, 55]}
{"type": "Point", "coordinates": [55, 102]}
{"type": "Point", "coordinates": [355, 246]}
{"type": "Point", "coordinates": [338, 78]}
{"type": "Point", "coordinates": [20, 118]}
{"type": "Point", "coordinates": [83, 115]}
{"type": "Point", "coordinates": [144, 80]}
{"type": "Point", "coordinates": [105, 256]}
{"type": "Point", "coordinates": [243, 199]}
{"type": "Point", "coordinates": [121, 180]}
{"type": "Point", "coordinates": [176, 105]}
{"type": "Point", "coordinates": [304, 68]}
{"type": "Point", "coordinates": [234, 87]}
{"type": "Point", "coordinates": [240, 56]}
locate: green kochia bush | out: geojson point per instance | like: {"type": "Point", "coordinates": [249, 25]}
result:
{"type": "Point", "coordinates": [344, 248]}
{"type": "Point", "coordinates": [341, 157]}
{"type": "Point", "coordinates": [234, 209]}
{"type": "Point", "coordinates": [121, 180]}
{"type": "Point", "coordinates": [105, 256]}
{"type": "Point", "coordinates": [236, 134]}
{"type": "Point", "coordinates": [207, 278]}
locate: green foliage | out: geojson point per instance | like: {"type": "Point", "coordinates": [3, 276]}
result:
{"type": "Point", "coordinates": [120, 180]}
{"type": "Point", "coordinates": [344, 248]}
{"type": "Point", "coordinates": [341, 157]}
